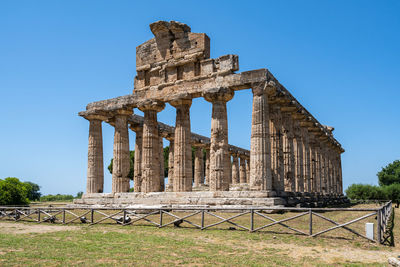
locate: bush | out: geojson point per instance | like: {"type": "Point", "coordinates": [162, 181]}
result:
{"type": "Point", "coordinates": [13, 192]}
{"type": "Point", "coordinates": [365, 192]}
{"type": "Point", "coordinates": [57, 197]}
{"type": "Point", "coordinates": [392, 192]}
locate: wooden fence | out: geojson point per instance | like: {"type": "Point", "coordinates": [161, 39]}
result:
{"type": "Point", "coordinates": [156, 217]}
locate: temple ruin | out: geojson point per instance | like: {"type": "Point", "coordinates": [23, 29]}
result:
{"type": "Point", "coordinates": [293, 158]}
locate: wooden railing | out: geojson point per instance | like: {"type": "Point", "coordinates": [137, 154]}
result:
{"type": "Point", "coordinates": [156, 217]}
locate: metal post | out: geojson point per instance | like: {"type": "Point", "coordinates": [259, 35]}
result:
{"type": "Point", "coordinates": [310, 211]}
{"type": "Point", "coordinates": [251, 220]}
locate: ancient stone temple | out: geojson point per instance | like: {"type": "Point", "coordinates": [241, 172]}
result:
{"type": "Point", "coordinates": [293, 158]}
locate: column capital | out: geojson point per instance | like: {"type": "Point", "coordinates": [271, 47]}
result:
{"type": "Point", "coordinates": [181, 101]}
{"type": "Point", "coordinates": [101, 116]}
{"type": "Point", "coordinates": [150, 104]}
{"type": "Point", "coordinates": [136, 127]}
{"type": "Point", "coordinates": [263, 87]}
{"type": "Point", "coordinates": [222, 94]}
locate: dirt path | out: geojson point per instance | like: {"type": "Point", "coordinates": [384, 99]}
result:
{"type": "Point", "coordinates": [22, 228]}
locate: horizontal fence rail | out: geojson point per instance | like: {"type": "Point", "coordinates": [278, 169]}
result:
{"type": "Point", "coordinates": [162, 217]}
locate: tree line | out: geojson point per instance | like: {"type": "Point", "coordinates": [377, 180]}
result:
{"type": "Point", "coordinates": [388, 188]}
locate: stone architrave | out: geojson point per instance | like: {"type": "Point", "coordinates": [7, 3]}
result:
{"type": "Point", "coordinates": [198, 167]}
{"type": "Point", "coordinates": [242, 170]}
{"type": "Point", "coordinates": [182, 147]}
{"type": "Point", "coordinates": [121, 160]}
{"type": "Point", "coordinates": [170, 186]}
{"type": "Point", "coordinates": [207, 166]}
{"type": "Point", "coordinates": [95, 171]}
{"type": "Point", "coordinates": [235, 169]}
{"type": "Point", "coordinates": [260, 149]}
{"type": "Point", "coordinates": [137, 165]}
{"type": "Point", "coordinates": [219, 154]}
{"type": "Point", "coordinates": [150, 147]}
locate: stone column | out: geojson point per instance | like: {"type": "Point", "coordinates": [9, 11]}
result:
{"type": "Point", "coordinates": [207, 178]}
{"type": "Point", "coordinates": [137, 165]}
{"type": "Point", "coordinates": [260, 149]}
{"type": "Point", "coordinates": [324, 167]}
{"type": "Point", "coordinates": [298, 155]}
{"type": "Point", "coordinates": [219, 154]}
{"type": "Point", "coordinates": [276, 148]}
{"type": "Point", "coordinates": [198, 167]}
{"type": "Point", "coordinates": [306, 160]}
{"type": "Point", "coordinates": [247, 170]}
{"type": "Point", "coordinates": [183, 146]}
{"type": "Point", "coordinates": [150, 148]}
{"type": "Point", "coordinates": [229, 168]}
{"type": "Point", "coordinates": [235, 169]}
{"type": "Point", "coordinates": [170, 186]}
{"type": "Point", "coordinates": [162, 167]}
{"type": "Point", "coordinates": [288, 153]}
{"type": "Point", "coordinates": [312, 162]}
{"type": "Point", "coordinates": [340, 174]}
{"type": "Point", "coordinates": [121, 158]}
{"type": "Point", "coordinates": [95, 171]}
{"type": "Point", "coordinates": [242, 170]}
{"type": "Point", "coordinates": [317, 176]}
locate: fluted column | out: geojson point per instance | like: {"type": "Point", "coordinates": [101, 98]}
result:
{"type": "Point", "coordinates": [247, 170]}
{"type": "Point", "coordinates": [306, 159]}
{"type": "Point", "coordinates": [242, 170]}
{"type": "Point", "coordinates": [229, 168]}
{"type": "Point", "coordinates": [121, 160]}
{"type": "Point", "coordinates": [162, 163]}
{"type": "Point", "coordinates": [219, 154]}
{"type": "Point", "coordinates": [340, 174]}
{"type": "Point", "coordinates": [312, 163]}
{"type": "Point", "coordinates": [95, 171]}
{"type": "Point", "coordinates": [170, 186]}
{"type": "Point", "coordinates": [260, 149]}
{"type": "Point", "coordinates": [137, 165]}
{"type": "Point", "coordinates": [324, 167]}
{"type": "Point", "coordinates": [150, 147]}
{"type": "Point", "coordinates": [288, 153]}
{"type": "Point", "coordinates": [198, 167]}
{"type": "Point", "coordinates": [207, 171]}
{"type": "Point", "coordinates": [298, 155]}
{"type": "Point", "coordinates": [235, 169]}
{"type": "Point", "coordinates": [183, 146]}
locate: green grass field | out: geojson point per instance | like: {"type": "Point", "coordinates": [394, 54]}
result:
{"type": "Point", "coordinates": [30, 244]}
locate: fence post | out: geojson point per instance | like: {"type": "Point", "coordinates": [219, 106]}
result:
{"type": "Point", "coordinates": [202, 219]}
{"type": "Point", "coordinates": [251, 220]}
{"type": "Point", "coordinates": [123, 219]}
{"type": "Point", "coordinates": [38, 215]}
{"type": "Point", "coordinates": [91, 215]}
{"type": "Point", "coordinates": [310, 212]}
{"type": "Point", "coordinates": [63, 217]}
{"type": "Point", "coordinates": [161, 213]}
{"type": "Point", "coordinates": [378, 225]}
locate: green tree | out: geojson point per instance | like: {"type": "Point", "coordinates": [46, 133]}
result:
{"type": "Point", "coordinates": [32, 191]}
{"type": "Point", "coordinates": [390, 174]}
{"type": "Point", "coordinates": [392, 193]}
{"type": "Point", "coordinates": [131, 161]}
{"type": "Point", "coordinates": [13, 192]}
{"type": "Point", "coordinates": [79, 194]}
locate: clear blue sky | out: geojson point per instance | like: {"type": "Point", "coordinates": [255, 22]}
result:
{"type": "Point", "coordinates": [340, 59]}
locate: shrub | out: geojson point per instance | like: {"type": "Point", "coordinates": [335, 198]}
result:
{"type": "Point", "coordinates": [365, 192]}
{"type": "Point", "coordinates": [392, 192]}
{"type": "Point", "coordinates": [57, 197]}
{"type": "Point", "coordinates": [13, 192]}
